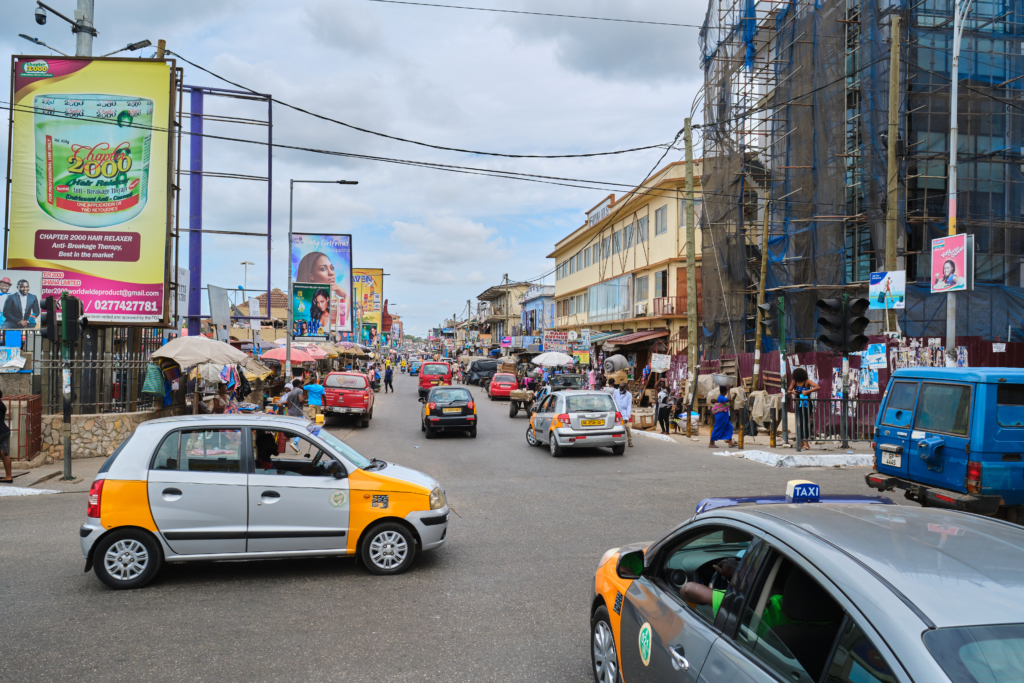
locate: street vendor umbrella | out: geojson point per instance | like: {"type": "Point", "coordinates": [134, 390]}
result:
{"type": "Point", "coordinates": [313, 351]}
{"type": "Point", "coordinates": [189, 351]}
{"type": "Point", "coordinates": [298, 355]}
{"type": "Point", "coordinates": [553, 358]}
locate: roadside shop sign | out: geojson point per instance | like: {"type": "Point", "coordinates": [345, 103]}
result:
{"type": "Point", "coordinates": [581, 357]}
{"type": "Point", "coordinates": [368, 292]}
{"type": "Point", "coordinates": [506, 342]}
{"type": "Point", "coordinates": [888, 290]}
{"type": "Point", "coordinates": [91, 162]}
{"type": "Point", "coordinates": [556, 341]}
{"type": "Point", "coordinates": [485, 340]}
{"type": "Point", "coordinates": [953, 264]}
{"type": "Point", "coordinates": [326, 260]}
{"type": "Point", "coordinates": [517, 342]}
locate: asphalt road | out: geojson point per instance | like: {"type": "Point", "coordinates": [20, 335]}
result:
{"type": "Point", "coordinates": [506, 599]}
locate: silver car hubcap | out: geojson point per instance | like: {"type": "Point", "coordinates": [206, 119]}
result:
{"type": "Point", "coordinates": [126, 560]}
{"type": "Point", "coordinates": [388, 549]}
{"type": "Point", "coordinates": [606, 665]}
{"type": "Point", "coordinates": [530, 438]}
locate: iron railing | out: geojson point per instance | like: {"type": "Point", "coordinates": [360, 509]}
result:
{"type": "Point", "coordinates": [25, 420]}
{"type": "Point", "coordinates": [102, 383]}
{"type": "Point", "coordinates": [833, 419]}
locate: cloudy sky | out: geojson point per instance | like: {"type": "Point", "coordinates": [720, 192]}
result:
{"type": "Point", "coordinates": [471, 80]}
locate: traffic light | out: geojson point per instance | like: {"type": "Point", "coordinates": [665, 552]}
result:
{"type": "Point", "coordinates": [48, 319]}
{"type": "Point", "coordinates": [844, 323]}
{"type": "Point", "coordinates": [73, 316]}
{"type": "Point", "coordinates": [831, 320]}
{"type": "Point", "coordinates": [768, 323]}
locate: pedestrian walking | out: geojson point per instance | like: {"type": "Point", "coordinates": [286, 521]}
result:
{"type": "Point", "coordinates": [624, 404]}
{"type": "Point", "coordinates": [664, 406]}
{"type": "Point", "coordinates": [315, 394]}
{"type": "Point", "coordinates": [389, 375]}
{"type": "Point", "coordinates": [5, 444]}
{"type": "Point", "coordinates": [723, 426]}
{"type": "Point", "coordinates": [803, 386]}
{"type": "Point", "coordinates": [592, 379]}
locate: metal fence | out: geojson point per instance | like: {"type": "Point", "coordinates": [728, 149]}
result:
{"type": "Point", "coordinates": [832, 419]}
{"type": "Point", "coordinates": [25, 420]}
{"type": "Point", "coordinates": [102, 383]}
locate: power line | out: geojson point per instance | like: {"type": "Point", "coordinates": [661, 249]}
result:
{"type": "Point", "coordinates": [536, 14]}
{"type": "Point", "coordinates": [416, 142]}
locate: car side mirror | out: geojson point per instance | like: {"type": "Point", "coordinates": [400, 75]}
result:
{"type": "Point", "coordinates": [630, 565]}
{"type": "Point", "coordinates": [336, 470]}
{"type": "Point", "coordinates": [422, 400]}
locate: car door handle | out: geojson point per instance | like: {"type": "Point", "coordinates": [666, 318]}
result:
{"type": "Point", "coordinates": [901, 434]}
{"type": "Point", "coordinates": [171, 494]}
{"type": "Point", "coordinates": [679, 662]}
{"type": "Point", "coordinates": [269, 497]}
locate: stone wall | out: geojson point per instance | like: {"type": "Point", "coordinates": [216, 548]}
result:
{"type": "Point", "coordinates": [93, 435]}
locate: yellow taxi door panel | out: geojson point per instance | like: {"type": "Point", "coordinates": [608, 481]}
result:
{"type": "Point", "coordinates": [291, 512]}
{"type": "Point", "coordinates": [199, 512]}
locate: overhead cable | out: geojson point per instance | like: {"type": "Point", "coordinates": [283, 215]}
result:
{"type": "Point", "coordinates": [537, 14]}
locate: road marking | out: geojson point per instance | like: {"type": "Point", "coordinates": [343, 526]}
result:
{"type": "Point", "coordinates": [18, 491]}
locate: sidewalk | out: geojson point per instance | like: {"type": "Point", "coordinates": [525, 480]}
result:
{"type": "Point", "coordinates": [48, 477]}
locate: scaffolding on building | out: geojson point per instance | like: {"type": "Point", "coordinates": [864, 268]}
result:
{"type": "Point", "coordinates": [795, 121]}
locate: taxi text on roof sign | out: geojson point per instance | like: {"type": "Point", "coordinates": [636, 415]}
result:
{"type": "Point", "coordinates": [802, 491]}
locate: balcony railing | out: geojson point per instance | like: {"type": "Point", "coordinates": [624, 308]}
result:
{"type": "Point", "coordinates": [672, 306]}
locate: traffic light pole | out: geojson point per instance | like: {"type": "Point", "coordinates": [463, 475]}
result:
{"type": "Point", "coordinates": [65, 356]}
{"type": "Point", "coordinates": [844, 401]}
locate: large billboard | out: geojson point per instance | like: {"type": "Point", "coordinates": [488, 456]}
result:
{"type": "Point", "coordinates": [326, 260]}
{"type": "Point", "coordinates": [953, 263]}
{"type": "Point", "coordinates": [311, 312]}
{"type": "Point", "coordinates": [368, 287]}
{"type": "Point", "coordinates": [90, 190]}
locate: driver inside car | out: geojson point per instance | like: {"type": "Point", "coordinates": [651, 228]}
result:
{"type": "Point", "coordinates": [699, 594]}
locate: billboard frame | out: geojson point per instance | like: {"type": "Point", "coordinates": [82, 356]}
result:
{"type": "Point", "coordinates": [173, 170]}
{"type": "Point", "coordinates": [351, 254]}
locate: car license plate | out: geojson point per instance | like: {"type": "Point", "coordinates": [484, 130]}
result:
{"type": "Point", "coordinates": [435, 383]}
{"type": "Point", "coordinates": [592, 423]}
{"type": "Point", "coordinates": [452, 410]}
{"type": "Point", "coordinates": [891, 459]}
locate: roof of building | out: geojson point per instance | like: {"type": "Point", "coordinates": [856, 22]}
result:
{"type": "Point", "coordinates": [498, 291]}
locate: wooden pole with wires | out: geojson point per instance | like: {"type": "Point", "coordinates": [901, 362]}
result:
{"type": "Point", "coordinates": [691, 272]}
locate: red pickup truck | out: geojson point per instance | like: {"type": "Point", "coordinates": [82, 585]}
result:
{"type": "Point", "coordinates": [348, 393]}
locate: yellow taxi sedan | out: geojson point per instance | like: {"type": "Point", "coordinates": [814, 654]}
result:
{"type": "Point", "coordinates": [236, 487]}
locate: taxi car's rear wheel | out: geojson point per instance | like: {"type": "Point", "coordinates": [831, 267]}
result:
{"type": "Point", "coordinates": [472, 432]}
{"type": "Point", "coordinates": [127, 559]}
{"type": "Point", "coordinates": [388, 548]}
{"type": "Point", "coordinates": [603, 656]}
{"type": "Point", "coordinates": [619, 449]}
{"type": "Point", "coordinates": [430, 432]}
{"type": "Point", "coordinates": [556, 450]}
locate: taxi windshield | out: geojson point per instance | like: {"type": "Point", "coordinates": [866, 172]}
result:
{"type": "Point", "coordinates": [339, 446]}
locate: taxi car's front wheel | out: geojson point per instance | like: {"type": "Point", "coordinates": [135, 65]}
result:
{"type": "Point", "coordinates": [603, 657]}
{"type": "Point", "coordinates": [127, 559]}
{"type": "Point", "coordinates": [388, 548]}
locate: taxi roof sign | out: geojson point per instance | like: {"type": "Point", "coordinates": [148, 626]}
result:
{"type": "Point", "coordinates": [802, 491]}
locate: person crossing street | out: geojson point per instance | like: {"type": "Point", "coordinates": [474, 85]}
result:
{"type": "Point", "coordinates": [389, 375]}
{"type": "Point", "coordinates": [624, 404]}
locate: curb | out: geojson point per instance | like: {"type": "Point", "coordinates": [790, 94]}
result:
{"type": "Point", "coordinates": [45, 477]}
{"type": "Point", "coordinates": [654, 435]}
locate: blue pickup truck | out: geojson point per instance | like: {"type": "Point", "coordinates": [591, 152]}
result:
{"type": "Point", "coordinates": [954, 438]}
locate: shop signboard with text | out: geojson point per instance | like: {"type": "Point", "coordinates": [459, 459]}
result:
{"type": "Point", "coordinates": [556, 341]}
{"type": "Point", "coordinates": [368, 291]}
{"type": "Point", "coordinates": [485, 340]}
{"type": "Point", "coordinates": [91, 162]}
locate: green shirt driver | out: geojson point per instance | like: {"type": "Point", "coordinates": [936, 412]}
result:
{"type": "Point", "coordinates": [700, 594]}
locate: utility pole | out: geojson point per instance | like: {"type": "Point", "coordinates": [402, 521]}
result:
{"type": "Point", "coordinates": [892, 213]}
{"type": "Point", "coordinates": [958, 31]}
{"type": "Point", "coordinates": [760, 297]}
{"type": "Point", "coordinates": [508, 311]}
{"type": "Point", "coordinates": [691, 267]}
{"type": "Point", "coordinates": [65, 357]}
{"type": "Point", "coordinates": [84, 29]}
{"type": "Point", "coordinates": [161, 48]}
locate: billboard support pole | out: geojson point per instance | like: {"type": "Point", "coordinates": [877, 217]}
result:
{"type": "Point", "coordinates": [195, 214]}
{"type": "Point", "coordinates": [288, 252]}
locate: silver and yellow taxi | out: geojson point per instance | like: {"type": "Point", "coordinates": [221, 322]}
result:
{"type": "Point", "coordinates": [237, 487]}
{"type": "Point", "coordinates": [576, 419]}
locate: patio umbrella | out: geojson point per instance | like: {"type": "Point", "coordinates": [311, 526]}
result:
{"type": "Point", "coordinates": [553, 358]}
{"type": "Point", "coordinates": [298, 355]}
{"type": "Point", "coordinates": [312, 350]}
{"type": "Point", "coordinates": [189, 351]}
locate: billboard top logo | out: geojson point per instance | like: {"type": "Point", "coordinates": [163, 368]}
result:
{"type": "Point", "coordinates": [36, 68]}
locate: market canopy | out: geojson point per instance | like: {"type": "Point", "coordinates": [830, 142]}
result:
{"type": "Point", "coordinates": [553, 358]}
{"type": "Point", "coordinates": [298, 355]}
{"type": "Point", "coordinates": [637, 337]}
{"type": "Point", "coordinates": [189, 351]}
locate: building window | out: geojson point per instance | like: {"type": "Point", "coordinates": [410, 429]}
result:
{"type": "Point", "coordinates": [580, 305]}
{"type": "Point", "coordinates": [661, 284]}
{"type": "Point", "coordinates": [572, 305]}
{"type": "Point", "coordinates": [629, 235]}
{"type": "Point", "coordinates": [641, 289]}
{"type": "Point", "coordinates": [617, 242]}
{"type": "Point", "coordinates": [661, 220]}
{"type": "Point", "coordinates": [586, 257]}
{"type": "Point", "coordinates": [605, 248]}
{"type": "Point", "coordinates": [572, 266]}
{"type": "Point", "coordinates": [579, 261]}
{"type": "Point", "coordinates": [682, 212]}
{"type": "Point", "coordinates": [641, 230]}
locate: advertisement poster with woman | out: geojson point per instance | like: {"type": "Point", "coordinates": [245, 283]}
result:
{"type": "Point", "coordinates": [325, 260]}
{"type": "Point", "coordinates": [311, 311]}
{"type": "Point", "coordinates": [953, 263]}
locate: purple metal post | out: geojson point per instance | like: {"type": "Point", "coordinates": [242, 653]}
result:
{"type": "Point", "coordinates": [195, 214]}
{"type": "Point", "coordinates": [270, 197]}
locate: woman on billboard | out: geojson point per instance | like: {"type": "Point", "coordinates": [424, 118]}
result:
{"type": "Point", "coordinates": [948, 279]}
{"type": "Point", "coordinates": [316, 268]}
{"type": "Point", "coordinates": [320, 312]}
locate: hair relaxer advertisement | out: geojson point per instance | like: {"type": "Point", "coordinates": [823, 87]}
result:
{"type": "Point", "coordinates": [90, 180]}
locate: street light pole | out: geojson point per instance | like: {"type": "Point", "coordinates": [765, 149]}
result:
{"type": "Point", "coordinates": [959, 17]}
{"type": "Point", "coordinates": [83, 38]}
{"type": "Point", "coordinates": [288, 250]}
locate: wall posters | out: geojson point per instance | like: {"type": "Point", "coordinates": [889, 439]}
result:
{"type": "Point", "coordinates": [311, 312]}
{"type": "Point", "coordinates": [888, 290]}
{"type": "Point", "coordinates": [325, 260]}
{"type": "Point", "coordinates": [368, 293]}
{"type": "Point", "coordinates": [90, 189]}
{"type": "Point", "coordinates": [556, 341]}
{"type": "Point", "coordinates": [485, 340]}
{"type": "Point", "coordinates": [20, 300]}
{"type": "Point", "coordinates": [953, 263]}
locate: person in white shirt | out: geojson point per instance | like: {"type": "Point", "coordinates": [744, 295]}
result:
{"type": "Point", "coordinates": [624, 404]}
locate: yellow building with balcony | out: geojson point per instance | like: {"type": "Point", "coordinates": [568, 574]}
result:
{"type": "Point", "coordinates": [623, 272]}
